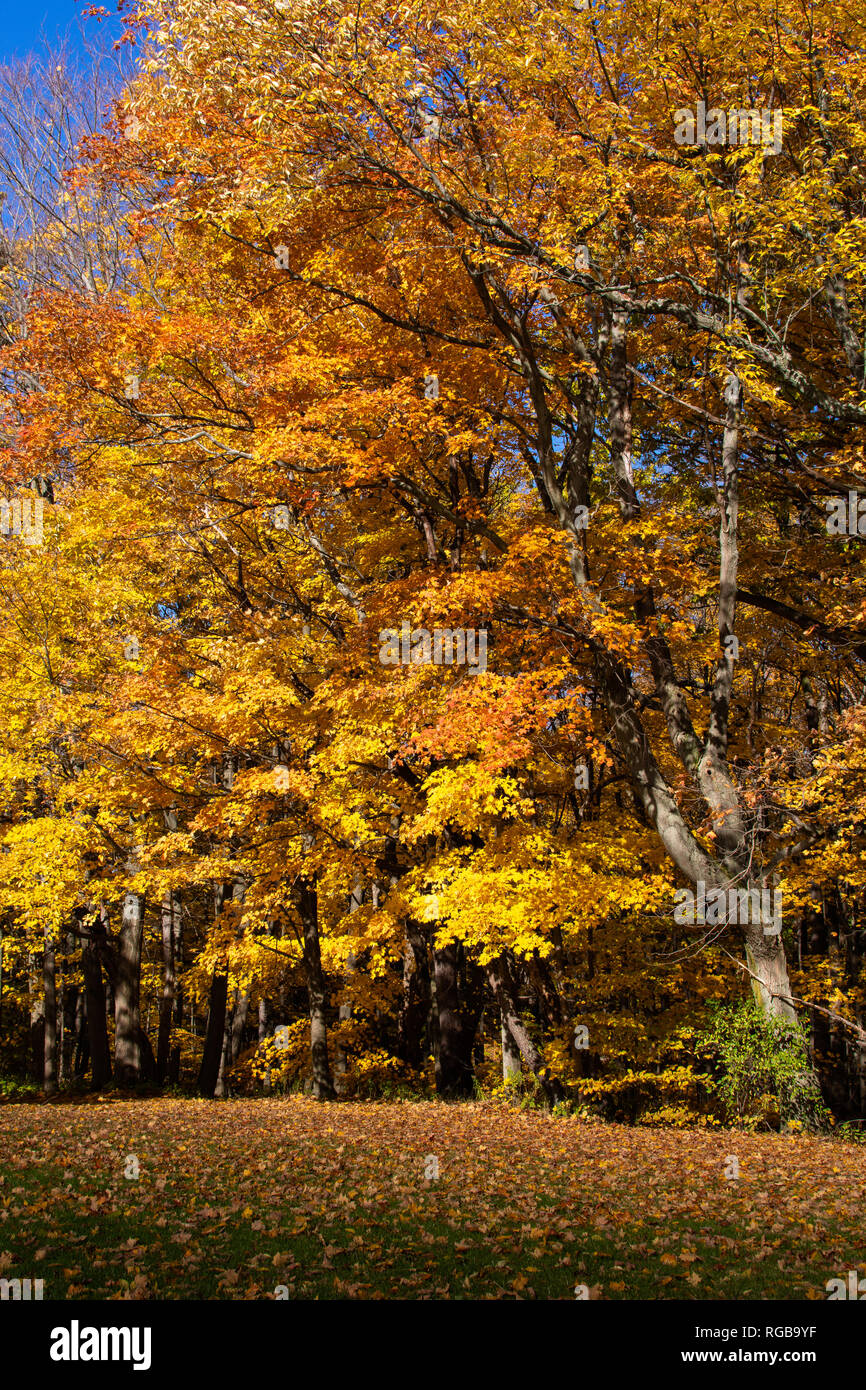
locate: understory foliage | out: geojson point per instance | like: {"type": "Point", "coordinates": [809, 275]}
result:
{"type": "Point", "coordinates": [352, 334]}
{"type": "Point", "coordinates": [764, 1066]}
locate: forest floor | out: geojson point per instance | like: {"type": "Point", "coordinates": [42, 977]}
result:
{"type": "Point", "coordinates": [235, 1198]}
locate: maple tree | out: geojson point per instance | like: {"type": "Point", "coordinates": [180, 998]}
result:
{"type": "Point", "coordinates": [432, 320]}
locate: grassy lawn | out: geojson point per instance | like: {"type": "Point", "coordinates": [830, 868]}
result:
{"type": "Point", "coordinates": [236, 1198]}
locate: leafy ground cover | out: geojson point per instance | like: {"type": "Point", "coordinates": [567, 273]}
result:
{"type": "Point", "coordinates": [237, 1198]}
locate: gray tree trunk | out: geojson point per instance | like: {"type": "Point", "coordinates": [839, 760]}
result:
{"type": "Point", "coordinates": [502, 985]}
{"type": "Point", "coordinates": [344, 1012]}
{"type": "Point", "coordinates": [221, 1088]}
{"type": "Point", "coordinates": [239, 1023]}
{"type": "Point", "coordinates": [511, 1068]}
{"type": "Point", "coordinates": [127, 1053]}
{"type": "Point", "coordinates": [37, 1024]}
{"type": "Point", "coordinates": [97, 1025]}
{"type": "Point", "coordinates": [49, 980]}
{"type": "Point", "coordinates": [323, 1086]}
{"type": "Point", "coordinates": [167, 1004]}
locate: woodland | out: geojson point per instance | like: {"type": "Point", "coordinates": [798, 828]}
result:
{"type": "Point", "coordinates": [325, 322]}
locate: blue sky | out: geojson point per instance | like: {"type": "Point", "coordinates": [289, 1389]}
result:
{"type": "Point", "coordinates": [22, 23]}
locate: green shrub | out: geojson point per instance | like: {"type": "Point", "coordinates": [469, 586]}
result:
{"type": "Point", "coordinates": [17, 1088]}
{"type": "Point", "coordinates": [766, 1076]}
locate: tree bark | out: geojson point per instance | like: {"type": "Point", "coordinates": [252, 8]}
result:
{"type": "Point", "coordinates": [502, 985]}
{"type": "Point", "coordinates": [97, 1025]}
{"type": "Point", "coordinates": [213, 1043]}
{"type": "Point", "coordinates": [170, 912]}
{"type": "Point", "coordinates": [37, 1024]}
{"type": "Point", "coordinates": [455, 1075]}
{"type": "Point", "coordinates": [127, 1053]}
{"type": "Point", "coordinates": [511, 1069]}
{"type": "Point", "coordinates": [49, 980]}
{"type": "Point", "coordinates": [177, 949]}
{"type": "Point", "coordinates": [70, 1014]}
{"type": "Point", "coordinates": [415, 1004]}
{"type": "Point", "coordinates": [147, 1061]}
{"type": "Point", "coordinates": [221, 1087]}
{"type": "Point", "coordinates": [344, 1013]}
{"type": "Point", "coordinates": [82, 1051]}
{"type": "Point", "coordinates": [239, 1023]}
{"type": "Point", "coordinates": [323, 1086]}
{"type": "Point", "coordinates": [262, 1034]}
{"type": "Point", "coordinates": [765, 957]}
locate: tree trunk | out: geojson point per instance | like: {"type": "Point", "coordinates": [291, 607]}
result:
{"type": "Point", "coordinates": [344, 1013]}
{"type": "Point", "coordinates": [323, 1086]}
{"type": "Point", "coordinates": [170, 911]}
{"type": "Point", "coordinates": [49, 980]}
{"type": "Point", "coordinates": [70, 1015]}
{"type": "Point", "coordinates": [455, 1076]}
{"type": "Point", "coordinates": [177, 948]}
{"type": "Point", "coordinates": [511, 1069]}
{"type": "Point", "coordinates": [239, 1023]}
{"type": "Point", "coordinates": [213, 1043]}
{"type": "Point", "coordinates": [37, 1025]}
{"type": "Point", "coordinates": [147, 1061]}
{"type": "Point", "coordinates": [416, 1001]}
{"type": "Point", "coordinates": [97, 1025]}
{"type": "Point", "coordinates": [504, 993]}
{"type": "Point", "coordinates": [765, 957]}
{"type": "Point", "coordinates": [262, 1034]}
{"type": "Point", "coordinates": [221, 1087]}
{"type": "Point", "coordinates": [82, 1050]}
{"type": "Point", "coordinates": [127, 1055]}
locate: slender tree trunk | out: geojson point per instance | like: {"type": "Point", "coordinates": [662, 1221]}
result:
{"type": "Point", "coordinates": [97, 1025]}
{"type": "Point", "coordinates": [213, 1043]}
{"type": "Point", "coordinates": [82, 1050]}
{"type": "Point", "coordinates": [127, 1052]}
{"type": "Point", "coordinates": [37, 1024]}
{"type": "Point", "coordinates": [49, 981]}
{"type": "Point", "coordinates": [170, 910]}
{"type": "Point", "coordinates": [505, 995]}
{"type": "Point", "coordinates": [146, 1059]}
{"type": "Point", "coordinates": [263, 1033]}
{"type": "Point", "coordinates": [177, 956]}
{"type": "Point", "coordinates": [69, 1014]}
{"type": "Point", "coordinates": [433, 1030]}
{"type": "Point", "coordinates": [416, 1001]}
{"type": "Point", "coordinates": [239, 1023]}
{"type": "Point", "coordinates": [323, 1086]}
{"type": "Point", "coordinates": [344, 1012]}
{"type": "Point", "coordinates": [221, 1087]}
{"type": "Point", "coordinates": [511, 1069]}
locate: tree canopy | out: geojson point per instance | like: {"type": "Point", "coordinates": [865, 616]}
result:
{"type": "Point", "coordinates": [445, 476]}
